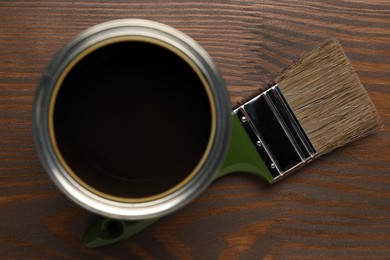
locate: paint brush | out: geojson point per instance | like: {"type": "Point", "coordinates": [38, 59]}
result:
{"type": "Point", "coordinates": [314, 107]}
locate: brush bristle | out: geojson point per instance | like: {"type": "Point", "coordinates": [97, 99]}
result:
{"type": "Point", "coordinates": [328, 99]}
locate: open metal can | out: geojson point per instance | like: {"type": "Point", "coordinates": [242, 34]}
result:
{"type": "Point", "coordinates": [132, 119]}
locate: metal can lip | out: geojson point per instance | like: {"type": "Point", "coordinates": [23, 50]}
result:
{"type": "Point", "coordinates": [121, 209]}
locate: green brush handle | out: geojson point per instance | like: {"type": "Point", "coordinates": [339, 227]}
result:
{"type": "Point", "coordinates": [241, 157]}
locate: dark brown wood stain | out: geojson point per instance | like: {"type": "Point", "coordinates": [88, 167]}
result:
{"type": "Point", "coordinates": [337, 207]}
{"type": "Point", "coordinates": [132, 119]}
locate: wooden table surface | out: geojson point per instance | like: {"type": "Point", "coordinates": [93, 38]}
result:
{"type": "Point", "coordinates": [339, 206]}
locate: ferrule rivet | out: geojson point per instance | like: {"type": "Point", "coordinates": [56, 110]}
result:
{"type": "Point", "coordinates": [243, 119]}
{"type": "Point", "coordinates": [258, 143]}
{"type": "Point", "coordinates": [272, 165]}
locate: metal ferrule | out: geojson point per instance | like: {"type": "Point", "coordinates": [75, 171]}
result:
{"type": "Point", "coordinates": [275, 131]}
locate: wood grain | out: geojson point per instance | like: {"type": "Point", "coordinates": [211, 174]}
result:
{"type": "Point", "coordinates": [338, 207]}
